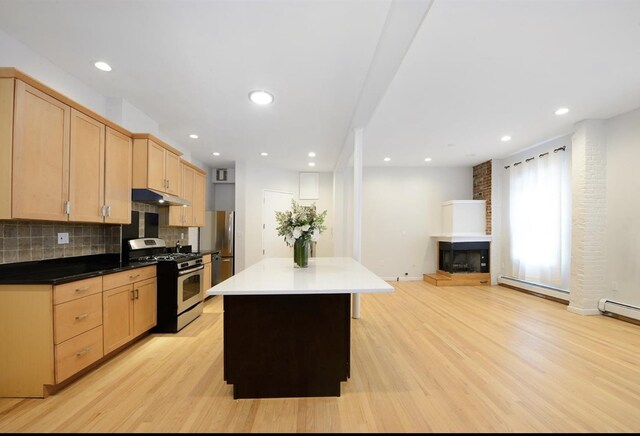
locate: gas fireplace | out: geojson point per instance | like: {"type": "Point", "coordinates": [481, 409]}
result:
{"type": "Point", "coordinates": [463, 257]}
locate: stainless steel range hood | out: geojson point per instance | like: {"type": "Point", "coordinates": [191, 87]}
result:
{"type": "Point", "coordinates": [157, 198]}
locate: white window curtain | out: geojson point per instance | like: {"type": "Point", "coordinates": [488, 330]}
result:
{"type": "Point", "coordinates": [539, 220]}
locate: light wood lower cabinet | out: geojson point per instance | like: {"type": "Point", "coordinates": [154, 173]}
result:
{"type": "Point", "coordinates": [50, 333]}
{"type": "Point", "coordinates": [206, 260]}
{"type": "Point", "coordinates": [129, 311]}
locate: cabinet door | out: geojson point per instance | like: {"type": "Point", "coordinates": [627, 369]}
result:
{"type": "Point", "coordinates": [155, 167]}
{"type": "Point", "coordinates": [144, 306]}
{"type": "Point", "coordinates": [181, 216]}
{"type": "Point", "coordinates": [172, 173]}
{"type": "Point", "coordinates": [198, 199]}
{"type": "Point", "coordinates": [117, 178]}
{"type": "Point", "coordinates": [117, 317]}
{"type": "Point", "coordinates": [207, 277]}
{"type": "Point", "coordinates": [40, 155]}
{"type": "Point", "coordinates": [187, 193]}
{"type": "Point", "coordinates": [86, 168]}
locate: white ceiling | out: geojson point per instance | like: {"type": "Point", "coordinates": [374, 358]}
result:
{"type": "Point", "coordinates": [476, 70]}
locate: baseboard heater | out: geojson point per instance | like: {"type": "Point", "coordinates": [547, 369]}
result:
{"type": "Point", "coordinates": [537, 288]}
{"type": "Point", "coordinates": [623, 309]}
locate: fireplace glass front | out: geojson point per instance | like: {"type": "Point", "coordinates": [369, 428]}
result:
{"type": "Point", "coordinates": [463, 257]}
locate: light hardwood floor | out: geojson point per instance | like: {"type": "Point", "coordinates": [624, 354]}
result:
{"type": "Point", "coordinates": [424, 359]}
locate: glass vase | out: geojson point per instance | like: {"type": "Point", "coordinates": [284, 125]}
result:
{"type": "Point", "coordinates": [301, 253]}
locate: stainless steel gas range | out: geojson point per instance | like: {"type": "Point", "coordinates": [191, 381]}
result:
{"type": "Point", "coordinates": [180, 282]}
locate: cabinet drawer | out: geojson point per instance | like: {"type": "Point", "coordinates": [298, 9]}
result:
{"type": "Point", "coordinates": [111, 281]}
{"type": "Point", "coordinates": [75, 317]}
{"type": "Point", "coordinates": [78, 289]}
{"type": "Point", "coordinates": [78, 353]}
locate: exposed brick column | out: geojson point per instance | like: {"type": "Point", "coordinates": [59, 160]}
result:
{"type": "Point", "coordinates": [482, 189]}
{"type": "Point", "coordinates": [588, 186]}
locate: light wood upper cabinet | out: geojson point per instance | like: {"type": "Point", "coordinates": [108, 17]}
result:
{"type": "Point", "coordinates": [86, 168]}
{"type": "Point", "coordinates": [117, 177]}
{"type": "Point", "coordinates": [193, 190]}
{"type": "Point", "coordinates": [199, 188]}
{"type": "Point", "coordinates": [156, 165]}
{"type": "Point", "coordinates": [40, 182]}
{"type": "Point", "coordinates": [59, 163]}
{"type": "Point", "coordinates": [181, 216]}
{"type": "Point", "coordinates": [173, 173]}
{"type": "Point", "coordinates": [156, 178]}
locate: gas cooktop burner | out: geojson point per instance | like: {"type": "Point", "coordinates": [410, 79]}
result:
{"type": "Point", "coordinates": [169, 256]}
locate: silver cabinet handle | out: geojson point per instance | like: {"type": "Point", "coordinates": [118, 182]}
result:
{"type": "Point", "coordinates": [108, 211]}
{"type": "Point", "coordinates": [134, 276]}
{"type": "Point", "coordinates": [133, 294]}
{"type": "Point", "coordinates": [137, 293]}
{"type": "Point", "coordinates": [82, 289]}
{"type": "Point", "coordinates": [83, 352]}
{"type": "Point", "coordinates": [67, 207]}
{"type": "Point", "coordinates": [82, 316]}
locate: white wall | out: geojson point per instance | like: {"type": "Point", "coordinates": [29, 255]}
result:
{"type": "Point", "coordinates": [324, 246]}
{"type": "Point", "coordinates": [15, 54]}
{"type": "Point", "coordinates": [251, 181]}
{"type": "Point", "coordinates": [224, 196]}
{"type": "Point", "coordinates": [402, 209]}
{"type": "Point", "coordinates": [623, 208]}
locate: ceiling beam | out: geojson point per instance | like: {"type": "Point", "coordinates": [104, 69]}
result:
{"type": "Point", "coordinates": [403, 22]}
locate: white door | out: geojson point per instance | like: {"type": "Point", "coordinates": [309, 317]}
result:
{"type": "Point", "coordinates": [272, 244]}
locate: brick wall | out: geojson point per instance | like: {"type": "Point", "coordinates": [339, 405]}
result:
{"type": "Point", "coordinates": [589, 213]}
{"type": "Point", "coordinates": [482, 189]}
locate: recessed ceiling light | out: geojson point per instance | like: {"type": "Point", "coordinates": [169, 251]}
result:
{"type": "Point", "coordinates": [102, 66]}
{"type": "Point", "coordinates": [312, 154]}
{"type": "Point", "coordinates": [505, 138]}
{"type": "Point", "coordinates": [387, 159]}
{"type": "Point", "coordinates": [427, 159]}
{"type": "Point", "coordinates": [312, 164]}
{"type": "Point", "coordinates": [193, 136]}
{"type": "Point", "coordinates": [562, 111]}
{"type": "Point", "coordinates": [264, 154]}
{"type": "Point", "coordinates": [215, 153]}
{"type": "Point", "coordinates": [261, 97]}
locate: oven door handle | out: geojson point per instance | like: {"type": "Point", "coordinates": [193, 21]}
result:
{"type": "Point", "coordinates": [189, 271]}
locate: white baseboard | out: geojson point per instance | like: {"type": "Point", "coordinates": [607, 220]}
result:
{"type": "Point", "coordinates": [580, 311]}
{"type": "Point", "coordinates": [402, 279]}
{"type": "Point", "coordinates": [535, 287]}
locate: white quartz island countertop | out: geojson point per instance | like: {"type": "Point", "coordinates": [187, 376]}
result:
{"type": "Point", "coordinates": [324, 275]}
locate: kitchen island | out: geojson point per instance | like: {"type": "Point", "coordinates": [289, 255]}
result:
{"type": "Point", "coordinates": [287, 331]}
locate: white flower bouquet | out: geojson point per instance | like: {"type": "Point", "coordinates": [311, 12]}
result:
{"type": "Point", "coordinates": [301, 223]}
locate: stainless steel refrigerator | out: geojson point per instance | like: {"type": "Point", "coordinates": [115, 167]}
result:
{"type": "Point", "coordinates": [223, 241]}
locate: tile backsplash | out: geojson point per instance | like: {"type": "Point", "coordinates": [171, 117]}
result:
{"type": "Point", "coordinates": [23, 241]}
{"type": "Point", "coordinates": [170, 234]}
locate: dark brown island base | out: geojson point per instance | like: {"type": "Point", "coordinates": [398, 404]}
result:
{"type": "Point", "coordinates": [287, 331]}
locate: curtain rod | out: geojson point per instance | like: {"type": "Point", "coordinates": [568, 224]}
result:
{"type": "Point", "coordinates": [515, 164]}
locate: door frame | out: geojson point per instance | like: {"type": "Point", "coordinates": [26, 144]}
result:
{"type": "Point", "coordinates": [264, 191]}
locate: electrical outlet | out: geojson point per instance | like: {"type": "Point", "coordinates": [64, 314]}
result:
{"type": "Point", "coordinates": [63, 238]}
{"type": "Point", "coordinates": [181, 235]}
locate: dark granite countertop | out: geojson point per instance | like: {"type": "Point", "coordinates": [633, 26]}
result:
{"type": "Point", "coordinates": [64, 270]}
